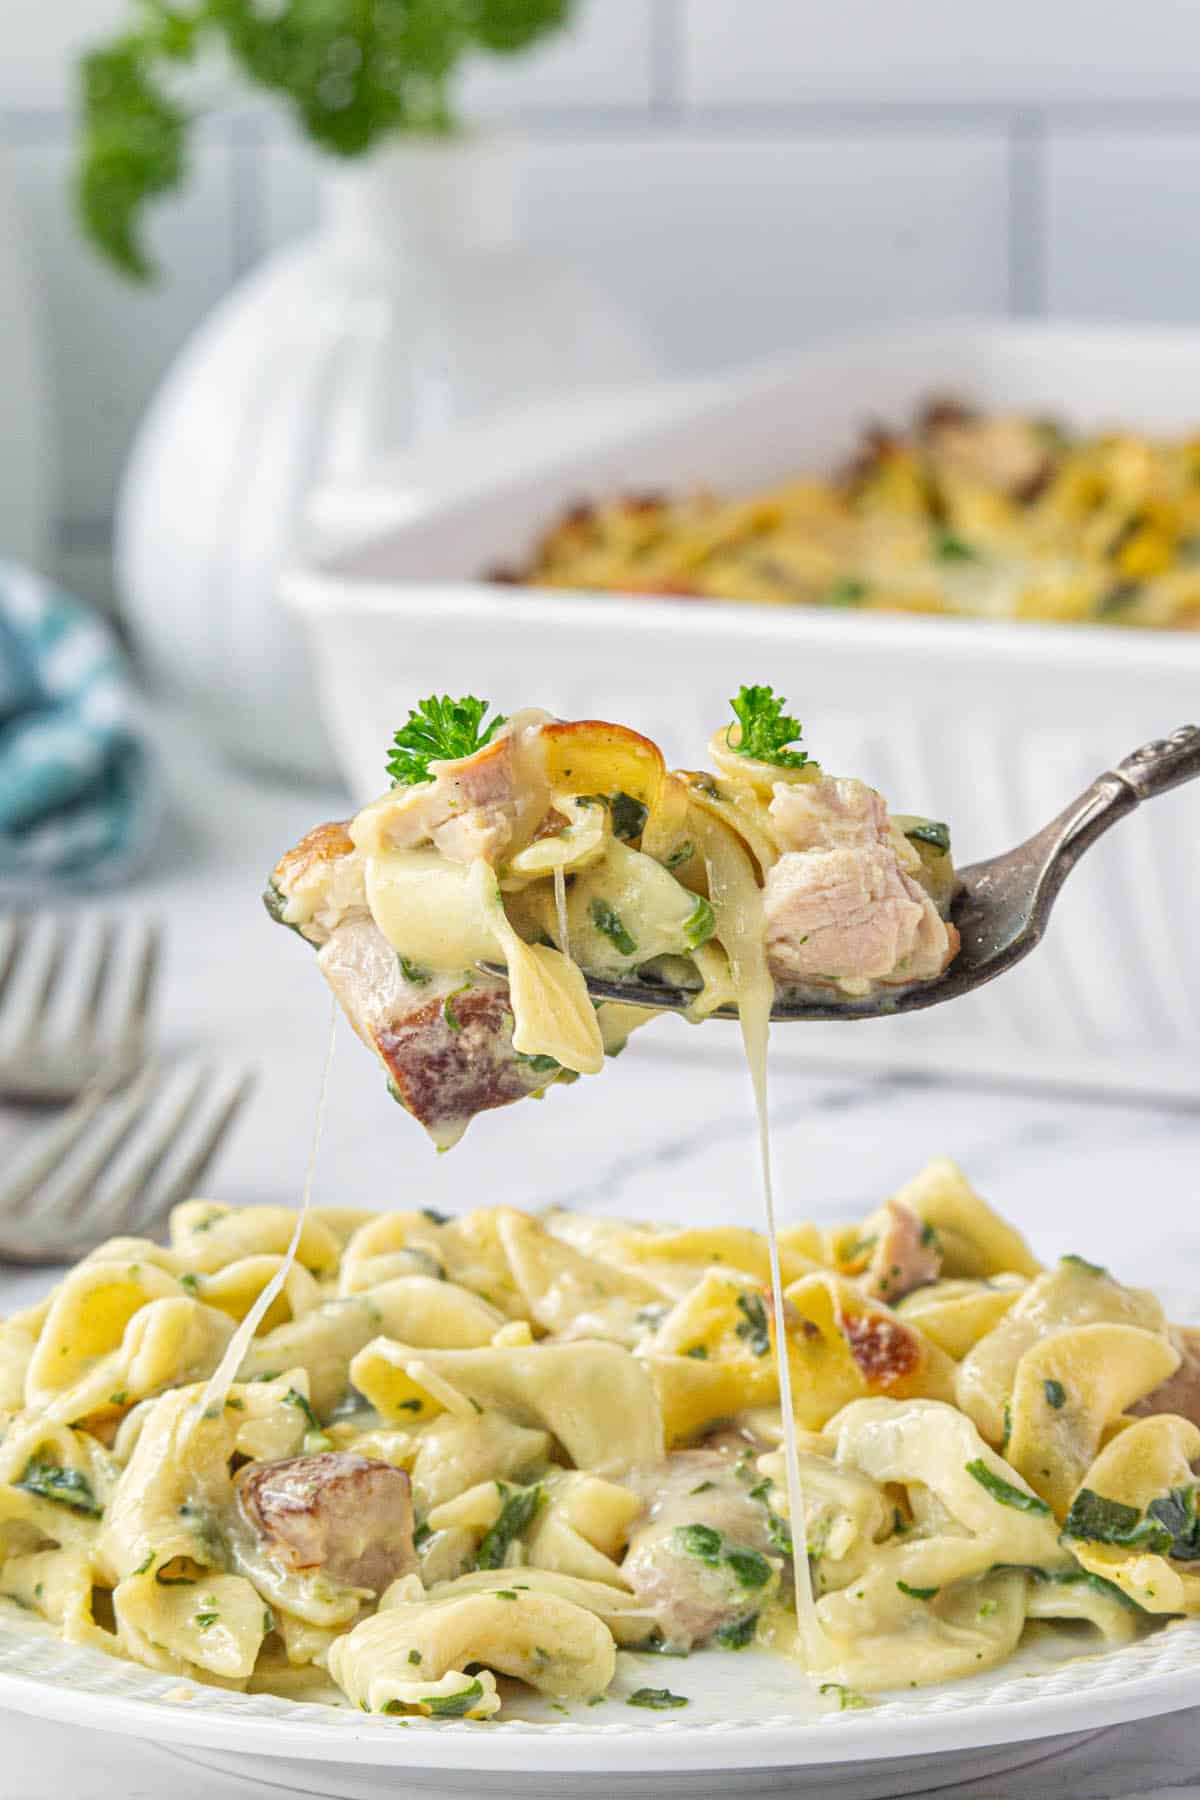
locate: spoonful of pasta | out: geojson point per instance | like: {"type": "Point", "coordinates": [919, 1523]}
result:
{"type": "Point", "coordinates": [529, 890]}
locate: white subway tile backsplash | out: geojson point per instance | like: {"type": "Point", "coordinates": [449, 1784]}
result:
{"type": "Point", "coordinates": [732, 249]}
{"type": "Point", "coordinates": [109, 340]}
{"type": "Point", "coordinates": [43, 39]}
{"type": "Point", "coordinates": [603, 58]}
{"type": "Point", "coordinates": [1118, 244]}
{"type": "Point", "coordinates": [950, 52]}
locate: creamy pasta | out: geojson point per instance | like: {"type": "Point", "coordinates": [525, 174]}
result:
{"type": "Point", "coordinates": [497, 1445]}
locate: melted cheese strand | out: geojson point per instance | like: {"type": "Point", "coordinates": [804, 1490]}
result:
{"type": "Point", "coordinates": [222, 1379]}
{"type": "Point", "coordinates": [737, 902]}
{"type": "Point", "coordinates": [560, 902]}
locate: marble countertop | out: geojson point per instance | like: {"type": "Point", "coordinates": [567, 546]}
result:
{"type": "Point", "coordinates": [667, 1132]}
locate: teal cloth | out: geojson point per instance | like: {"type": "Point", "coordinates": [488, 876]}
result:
{"type": "Point", "coordinates": [79, 784]}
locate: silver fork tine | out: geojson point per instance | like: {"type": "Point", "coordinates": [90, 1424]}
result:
{"type": "Point", "coordinates": [56, 957]}
{"type": "Point", "coordinates": [52, 1151]}
{"type": "Point", "coordinates": [193, 1171]}
{"type": "Point", "coordinates": [130, 1205]}
{"type": "Point", "coordinates": [89, 1016]}
{"type": "Point", "coordinates": [17, 930]}
{"type": "Point", "coordinates": [114, 1130]}
{"type": "Point", "coordinates": [132, 1031]}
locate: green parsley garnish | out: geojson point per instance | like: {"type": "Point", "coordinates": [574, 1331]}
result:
{"type": "Point", "coordinates": [454, 1706]}
{"type": "Point", "coordinates": [916, 1593]}
{"type": "Point", "coordinates": [66, 1487]}
{"type": "Point", "coordinates": [1004, 1491]}
{"type": "Point", "coordinates": [1081, 1262]}
{"type": "Point", "coordinates": [607, 921]}
{"type": "Point", "coordinates": [749, 1566]}
{"type": "Point", "coordinates": [1055, 1392]}
{"type": "Point", "coordinates": [847, 1699]}
{"type": "Point", "coordinates": [703, 1487]}
{"type": "Point", "coordinates": [701, 1541]}
{"type": "Point", "coordinates": [765, 729]}
{"type": "Point", "coordinates": [657, 1699]}
{"type": "Point", "coordinates": [682, 853]}
{"type": "Point", "coordinates": [448, 1013]}
{"type": "Point", "coordinates": [847, 592]}
{"type": "Point", "coordinates": [700, 1353]}
{"type": "Point", "coordinates": [931, 832]}
{"type": "Point", "coordinates": [412, 971]}
{"type": "Point", "coordinates": [439, 730]}
{"type": "Point", "coordinates": [205, 1620]}
{"type": "Point", "coordinates": [628, 815]}
{"type": "Point", "coordinates": [737, 1635]}
{"type": "Point", "coordinates": [190, 1282]}
{"type": "Point", "coordinates": [315, 1439]}
{"type": "Point", "coordinates": [700, 924]}
{"type": "Point", "coordinates": [949, 547]}
{"type": "Point", "coordinates": [753, 1324]}
{"type": "Point", "coordinates": [143, 1566]}
{"type": "Point", "coordinates": [518, 1507]}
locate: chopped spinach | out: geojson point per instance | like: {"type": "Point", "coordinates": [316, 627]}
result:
{"type": "Point", "coordinates": [657, 1699]}
{"type": "Point", "coordinates": [1004, 1491]}
{"type": "Point", "coordinates": [609, 923]}
{"type": "Point", "coordinates": [628, 816]}
{"type": "Point", "coordinates": [737, 1635]}
{"type": "Point", "coordinates": [454, 1706]}
{"type": "Point", "coordinates": [66, 1487]}
{"type": "Point", "coordinates": [518, 1508]}
{"type": "Point", "coordinates": [1100, 1521]}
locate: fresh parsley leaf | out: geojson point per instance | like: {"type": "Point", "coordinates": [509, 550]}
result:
{"type": "Point", "coordinates": [847, 1699]}
{"type": "Point", "coordinates": [765, 730]}
{"type": "Point", "coordinates": [518, 1507]}
{"type": "Point", "coordinates": [657, 1699]}
{"type": "Point", "coordinates": [931, 832]}
{"type": "Point", "coordinates": [205, 1620]}
{"type": "Point", "coordinates": [753, 1323]}
{"type": "Point", "coordinates": [680, 854]}
{"type": "Point", "coordinates": [439, 730]}
{"type": "Point", "coordinates": [916, 1593]}
{"type": "Point", "coordinates": [453, 1022]}
{"type": "Point", "coordinates": [610, 924]}
{"type": "Point", "coordinates": [66, 1487]}
{"type": "Point", "coordinates": [412, 971]}
{"type": "Point", "coordinates": [1055, 1392]}
{"type": "Point", "coordinates": [295, 1398]}
{"type": "Point", "coordinates": [1004, 1491]}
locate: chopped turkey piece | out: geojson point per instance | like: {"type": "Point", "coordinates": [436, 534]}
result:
{"type": "Point", "coordinates": [905, 1254]}
{"type": "Point", "coordinates": [838, 905]}
{"type": "Point", "coordinates": [703, 1558]}
{"type": "Point", "coordinates": [345, 1514]}
{"type": "Point", "coordinates": [1180, 1392]}
{"type": "Point", "coordinates": [447, 1046]}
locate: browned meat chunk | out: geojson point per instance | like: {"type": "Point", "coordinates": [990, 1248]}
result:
{"type": "Point", "coordinates": [838, 906]}
{"type": "Point", "coordinates": [905, 1254]}
{"type": "Point", "coordinates": [704, 1558]}
{"type": "Point", "coordinates": [1180, 1392]}
{"type": "Point", "coordinates": [345, 1514]}
{"type": "Point", "coordinates": [447, 1047]}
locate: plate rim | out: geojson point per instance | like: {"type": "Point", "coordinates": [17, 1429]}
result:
{"type": "Point", "coordinates": [522, 1747]}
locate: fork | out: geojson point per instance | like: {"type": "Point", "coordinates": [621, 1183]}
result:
{"type": "Point", "coordinates": [58, 1205]}
{"type": "Point", "coordinates": [40, 1065]}
{"type": "Point", "coordinates": [1003, 905]}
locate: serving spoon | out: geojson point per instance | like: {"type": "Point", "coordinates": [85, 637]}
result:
{"type": "Point", "coordinates": [1002, 908]}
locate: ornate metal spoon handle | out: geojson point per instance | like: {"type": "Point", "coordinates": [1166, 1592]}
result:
{"type": "Point", "coordinates": [1164, 763]}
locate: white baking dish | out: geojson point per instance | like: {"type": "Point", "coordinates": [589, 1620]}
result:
{"type": "Point", "coordinates": [990, 726]}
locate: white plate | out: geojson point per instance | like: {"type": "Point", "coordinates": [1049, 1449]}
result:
{"type": "Point", "coordinates": [991, 726]}
{"type": "Point", "coordinates": [748, 1713]}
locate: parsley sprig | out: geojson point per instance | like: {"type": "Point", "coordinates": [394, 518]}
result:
{"type": "Point", "coordinates": [439, 730]}
{"type": "Point", "coordinates": [765, 730]}
{"type": "Point", "coordinates": [352, 73]}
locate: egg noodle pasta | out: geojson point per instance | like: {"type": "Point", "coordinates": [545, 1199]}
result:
{"type": "Point", "coordinates": [578, 1451]}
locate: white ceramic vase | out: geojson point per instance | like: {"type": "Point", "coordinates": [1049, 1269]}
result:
{"type": "Point", "coordinates": [413, 309]}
